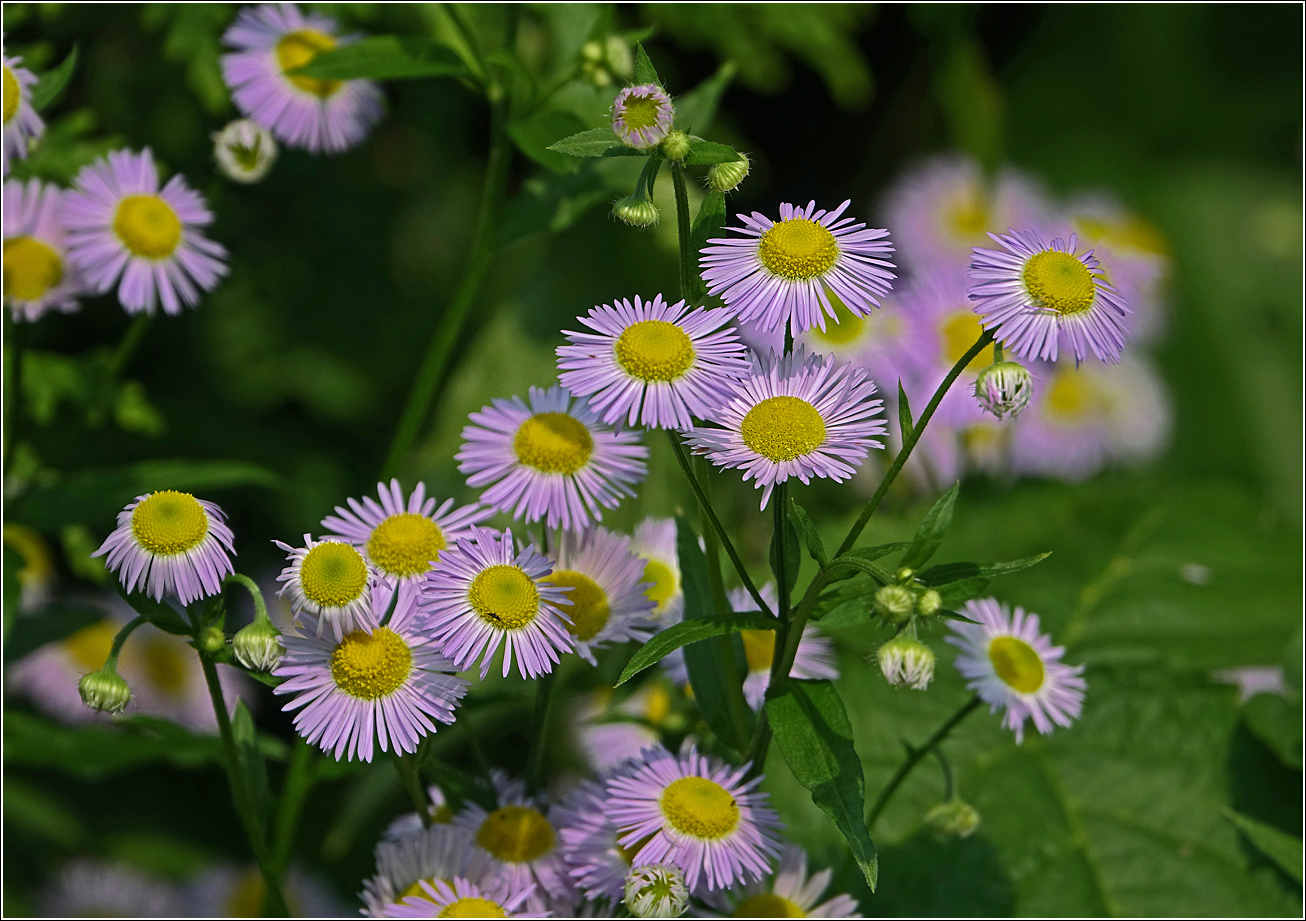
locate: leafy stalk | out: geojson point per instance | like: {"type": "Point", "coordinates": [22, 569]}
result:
{"type": "Point", "coordinates": [914, 756]}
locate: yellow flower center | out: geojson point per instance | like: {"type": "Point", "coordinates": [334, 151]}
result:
{"type": "Point", "coordinates": [31, 268]}
{"type": "Point", "coordinates": [654, 350]}
{"type": "Point", "coordinates": [960, 330]}
{"type": "Point", "coordinates": [700, 808]}
{"type": "Point", "coordinates": [845, 327]}
{"type": "Point", "coordinates": [165, 663]}
{"type": "Point", "coordinates": [90, 646]}
{"type": "Point", "coordinates": [296, 49]}
{"type": "Point", "coordinates": [1071, 397]}
{"type": "Point", "coordinates": [167, 523]}
{"type": "Point", "coordinates": [473, 907]}
{"type": "Point", "coordinates": [798, 249]}
{"type": "Point", "coordinates": [553, 443]}
{"type": "Point", "coordinates": [589, 610]}
{"type": "Point", "coordinates": [13, 94]}
{"type": "Point", "coordinates": [969, 216]}
{"type": "Point", "coordinates": [640, 111]}
{"type": "Point", "coordinates": [1017, 664]}
{"type": "Point", "coordinates": [372, 665]}
{"type": "Point", "coordinates": [504, 596]}
{"type": "Point", "coordinates": [406, 544]}
{"type": "Point", "coordinates": [1058, 281]}
{"type": "Point", "coordinates": [759, 649]}
{"type": "Point", "coordinates": [782, 428]}
{"type": "Point", "coordinates": [664, 584]}
{"type": "Point", "coordinates": [1130, 233]}
{"type": "Point", "coordinates": [767, 905]}
{"type": "Point", "coordinates": [333, 574]}
{"type": "Point", "coordinates": [147, 226]}
{"type": "Point", "coordinates": [416, 890]}
{"type": "Point", "coordinates": [516, 834]}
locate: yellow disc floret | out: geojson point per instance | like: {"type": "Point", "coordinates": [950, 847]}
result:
{"type": "Point", "coordinates": [296, 49]}
{"type": "Point", "coordinates": [1017, 664]}
{"type": "Point", "coordinates": [473, 907]}
{"type": "Point", "coordinates": [147, 226]}
{"type": "Point", "coordinates": [654, 350]}
{"type": "Point", "coordinates": [640, 111]}
{"type": "Point", "coordinates": [167, 523]}
{"type": "Point", "coordinates": [759, 649]}
{"type": "Point", "coordinates": [416, 890]}
{"type": "Point", "coordinates": [589, 609]}
{"type": "Point", "coordinates": [968, 216]}
{"type": "Point", "coordinates": [767, 905]}
{"type": "Point", "coordinates": [664, 584]}
{"type": "Point", "coordinates": [960, 330]}
{"type": "Point", "coordinates": [333, 574]}
{"type": "Point", "coordinates": [373, 665]}
{"type": "Point", "coordinates": [505, 596]}
{"type": "Point", "coordinates": [553, 443]}
{"type": "Point", "coordinates": [406, 544]}
{"type": "Point", "coordinates": [13, 94]}
{"type": "Point", "coordinates": [1058, 281]}
{"type": "Point", "coordinates": [700, 808]}
{"type": "Point", "coordinates": [516, 834]}
{"type": "Point", "coordinates": [798, 249]}
{"type": "Point", "coordinates": [31, 268]}
{"type": "Point", "coordinates": [782, 428]}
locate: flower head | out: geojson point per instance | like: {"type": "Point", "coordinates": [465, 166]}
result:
{"type": "Point", "coordinates": [244, 151]}
{"type": "Point", "coordinates": [608, 603]}
{"type": "Point", "coordinates": [652, 364]}
{"type": "Point", "coordinates": [485, 593]}
{"type": "Point", "coordinates": [1004, 387]}
{"type": "Point", "coordinates": [37, 274]}
{"type": "Point", "coordinates": [21, 123]}
{"type": "Point", "coordinates": [952, 819]}
{"type": "Point", "coordinates": [656, 890]}
{"type": "Point", "coordinates": [1012, 666]}
{"type": "Point", "coordinates": [642, 115]}
{"type": "Point", "coordinates": [436, 852]}
{"type": "Point", "coordinates": [637, 211]}
{"type": "Point", "coordinates": [318, 115]}
{"type": "Point", "coordinates": [104, 690]}
{"type": "Point", "coordinates": [330, 580]}
{"type": "Point", "coordinates": [794, 416]}
{"type": "Point", "coordinates": [124, 230]}
{"type": "Point", "coordinates": [726, 177]}
{"type": "Point", "coordinates": [1036, 294]}
{"type": "Point", "coordinates": [460, 898]}
{"type": "Point", "coordinates": [258, 645]}
{"type": "Point", "coordinates": [551, 460]}
{"type": "Point", "coordinates": [789, 893]}
{"type": "Point", "coordinates": [170, 543]}
{"type": "Point", "coordinates": [386, 684]}
{"type": "Point", "coordinates": [654, 542]}
{"type": "Point", "coordinates": [906, 662]}
{"type": "Point", "coordinates": [588, 842]}
{"type": "Point", "coordinates": [782, 274]}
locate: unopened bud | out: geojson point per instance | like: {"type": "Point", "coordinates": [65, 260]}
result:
{"type": "Point", "coordinates": [636, 211]}
{"type": "Point", "coordinates": [656, 890]}
{"type": "Point", "coordinates": [105, 690]}
{"type": "Point", "coordinates": [245, 151]}
{"type": "Point", "coordinates": [906, 662]}
{"type": "Point", "coordinates": [258, 646]}
{"type": "Point", "coordinates": [905, 574]}
{"type": "Point", "coordinates": [953, 819]}
{"type": "Point", "coordinates": [929, 602]}
{"type": "Point", "coordinates": [1004, 387]}
{"type": "Point", "coordinates": [675, 146]}
{"type": "Point", "coordinates": [726, 177]}
{"type": "Point", "coordinates": [895, 603]}
{"type": "Point", "coordinates": [211, 641]}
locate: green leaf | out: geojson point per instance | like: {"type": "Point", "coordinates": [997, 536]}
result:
{"type": "Point", "coordinates": [1282, 848]}
{"type": "Point", "coordinates": [814, 735]}
{"type": "Point", "coordinates": [534, 134]}
{"type": "Point", "coordinates": [904, 414]}
{"type": "Point", "coordinates": [251, 761]}
{"type": "Point", "coordinates": [810, 535]}
{"type": "Point", "coordinates": [870, 554]}
{"type": "Point", "coordinates": [930, 534]}
{"type": "Point", "coordinates": [161, 615]}
{"type": "Point", "coordinates": [955, 572]}
{"type": "Point", "coordinates": [696, 110]}
{"type": "Point", "coordinates": [1276, 722]}
{"type": "Point", "coordinates": [50, 624]}
{"type": "Point", "coordinates": [385, 57]}
{"type": "Point", "coordinates": [53, 82]}
{"type": "Point", "coordinates": [703, 153]}
{"type": "Point", "coordinates": [93, 752]}
{"type": "Point", "coordinates": [644, 70]}
{"type": "Point", "coordinates": [596, 142]}
{"type": "Point", "coordinates": [692, 631]}
{"type": "Point", "coordinates": [954, 593]}
{"type": "Point", "coordinates": [707, 224]}
{"type": "Point", "coordinates": [32, 812]}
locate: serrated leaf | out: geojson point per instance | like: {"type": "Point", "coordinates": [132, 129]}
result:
{"type": "Point", "coordinates": [692, 631]}
{"type": "Point", "coordinates": [704, 153]}
{"type": "Point", "coordinates": [1282, 848]}
{"type": "Point", "coordinates": [944, 573]}
{"type": "Point", "coordinates": [535, 134]}
{"type": "Point", "coordinates": [815, 737]}
{"type": "Point", "coordinates": [696, 110]}
{"type": "Point", "coordinates": [809, 534]}
{"type": "Point", "coordinates": [904, 414]}
{"type": "Point", "coordinates": [50, 87]}
{"type": "Point", "coordinates": [644, 70]}
{"type": "Point", "coordinates": [385, 57]}
{"type": "Point", "coordinates": [47, 626]}
{"type": "Point", "coordinates": [933, 527]}
{"type": "Point", "coordinates": [592, 143]}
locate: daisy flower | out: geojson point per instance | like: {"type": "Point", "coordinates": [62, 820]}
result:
{"type": "Point", "coordinates": [608, 600]}
{"type": "Point", "coordinates": [794, 416]}
{"type": "Point", "coordinates": [402, 538]}
{"type": "Point", "coordinates": [598, 864]}
{"type": "Point", "coordinates": [1034, 294]}
{"type": "Point", "coordinates": [124, 230]}
{"type": "Point", "coordinates": [783, 273]}
{"type": "Point", "coordinates": [170, 543]}
{"type": "Point", "coordinates": [37, 275]}
{"type": "Point", "coordinates": [814, 660]}
{"type": "Point", "coordinates": [308, 112]}
{"type": "Point", "coordinates": [881, 342]}
{"type": "Point", "coordinates": [437, 852]}
{"type": "Point", "coordinates": [387, 683]}
{"type": "Point", "coordinates": [439, 811]}
{"type": "Point", "coordinates": [642, 115]}
{"type": "Point", "coordinates": [651, 363]}
{"type": "Point", "coordinates": [609, 737]}
{"type": "Point", "coordinates": [485, 593]}
{"type": "Point", "coordinates": [654, 542]}
{"type": "Point", "coordinates": [790, 893]}
{"type": "Point", "coordinates": [551, 459]}
{"type": "Point", "coordinates": [21, 123]}
{"type": "Point", "coordinates": [696, 813]}
{"type": "Point", "coordinates": [459, 899]}
{"type": "Point", "coordinates": [330, 580]}
{"type": "Point", "coordinates": [1010, 665]}
{"type": "Point", "coordinates": [99, 889]}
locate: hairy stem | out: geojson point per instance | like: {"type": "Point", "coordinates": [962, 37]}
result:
{"type": "Point", "coordinates": [914, 756]}
{"type": "Point", "coordinates": [260, 607]}
{"type": "Point", "coordinates": [683, 229]}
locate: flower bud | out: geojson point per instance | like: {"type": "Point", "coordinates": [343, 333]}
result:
{"type": "Point", "coordinates": [636, 211]}
{"type": "Point", "coordinates": [211, 640]}
{"type": "Point", "coordinates": [104, 690]}
{"type": "Point", "coordinates": [675, 146]}
{"type": "Point", "coordinates": [953, 819]}
{"type": "Point", "coordinates": [928, 602]}
{"type": "Point", "coordinates": [906, 662]}
{"type": "Point", "coordinates": [904, 575]}
{"type": "Point", "coordinates": [1004, 387]}
{"type": "Point", "coordinates": [245, 151]}
{"type": "Point", "coordinates": [656, 890]}
{"type": "Point", "coordinates": [895, 603]}
{"type": "Point", "coordinates": [726, 177]}
{"type": "Point", "coordinates": [258, 646]}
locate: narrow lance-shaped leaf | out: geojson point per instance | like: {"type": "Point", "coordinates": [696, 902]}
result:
{"type": "Point", "coordinates": [930, 534]}
{"type": "Point", "coordinates": [385, 57]}
{"type": "Point", "coordinates": [52, 83]}
{"type": "Point", "coordinates": [815, 546]}
{"type": "Point", "coordinates": [692, 631]}
{"type": "Point", "coordinates": [704, 153]}
{"type": "Point", "coordinates": [696, 109]}
{"type": "Point", "coordinates": [955, 572]}
{"type": "Point", "coordinates": [251, 761]}
{"type": "Point", "coordinates": [815, 738]}
{"type": "Point", "coordinates": [592, 143]}
{"type": "Point", "coordinates": [707, 224]}
{"type": "Point", "coordinates": [644, 69]}
{"type": "Point", "coordinates": [955, 593]}
{"type": "Point", "coordinates": [1282, 848]}
{"type": "Point", "coordinates": [156, 612]}
{"type": "Point", "coordinates": [904, 413]}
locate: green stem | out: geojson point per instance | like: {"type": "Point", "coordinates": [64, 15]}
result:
{"type": "Point", "coordinates": [543, 697]}
{"type": "Point", "coordinates": [914, 756]}
{"type": "Point", "coordinates": [683, 230]}
{"type": "Point", "coordinates": [910, 442]}
{"type": "Point", "coordinates": [946, 767]}
{"type": "Point", "coordinates": [300, 776]}
{"type": "Point", "coordinates": [409, 770]}
{"type": "Point", "coordinates": [260, 607]}
{"type": "Point", "coordinates": [111, 662]}
{"type": "Point", "coordinates": [436, 361]}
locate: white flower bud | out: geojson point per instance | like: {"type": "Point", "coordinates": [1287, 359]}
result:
{"type": "Point", "coordinates": [929, 602]}
{"type": "Point", "coordinates": [1004, 387]}
{"type": "Point", "coordinates": [906, 662]}
{"type": "Point", "coordinates": [895, 603]}
{"type": "Point", "coordinates": [656, 890]}
{"type": "Point", "coordinates": [104, 690]}
{"type": "Point", "coordinates": [726, 177]}
{"type": "Point", "coordinates": [636, 211]}
{"type": "Point", "coordinates": [258, 646]}
{"type": "Point", "coordinates": [675, 146]}
{"type": "Point", "coordinates": [245, 151]}
{"type": "Point", "coordinates": [953, 819]}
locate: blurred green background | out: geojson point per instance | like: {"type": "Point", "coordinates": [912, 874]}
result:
{"type": "Point", "coordinates": [278, 397]}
